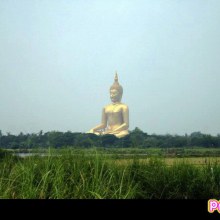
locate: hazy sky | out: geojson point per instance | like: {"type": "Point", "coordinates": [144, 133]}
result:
{"type": "Point", "coordinates": [58, 59]}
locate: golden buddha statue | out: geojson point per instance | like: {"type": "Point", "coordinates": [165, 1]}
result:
{"type": "Point", "coordinates": [115, 116]}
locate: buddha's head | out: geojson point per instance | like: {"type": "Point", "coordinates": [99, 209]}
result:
{"type": "Point", "coordinates": [116, 90]}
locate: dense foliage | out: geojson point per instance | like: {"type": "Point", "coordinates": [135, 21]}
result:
{"type": "Point", "coordinates": [136, 138]}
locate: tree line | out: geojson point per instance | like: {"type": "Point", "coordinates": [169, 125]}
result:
{"type": "Point", "coordinates": [136, 139]}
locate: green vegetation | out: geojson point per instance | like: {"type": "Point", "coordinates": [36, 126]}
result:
{"type": "Point", "coordinates": [136, 139]}
{"type": "Point", "coordinates": [64, 176]}
{"type": "Point", "coordinates": [127, 153]}
{"type": "Point", "coordinates": [74, 173]}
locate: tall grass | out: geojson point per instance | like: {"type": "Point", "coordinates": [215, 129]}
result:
{"type": "Point", "coordinates": [98, 176]}
{"type": "Point", "coordinates": [66, 176]}
{"type": "Point", "coordinates": [182, 180]}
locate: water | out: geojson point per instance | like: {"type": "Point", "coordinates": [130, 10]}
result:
{"type": "Point", "coordinates": [23, 155]}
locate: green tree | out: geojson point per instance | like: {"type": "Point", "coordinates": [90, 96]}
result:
{"type": "Point", "coordinates": [137, 137]}
{"type": "Point", "coordinates": [0, 138]}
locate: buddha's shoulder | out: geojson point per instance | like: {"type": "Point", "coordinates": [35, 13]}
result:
{"type": "Point", "coordinates": [107, 106]}
{"type": "Point", "coordinates": [122, 105]}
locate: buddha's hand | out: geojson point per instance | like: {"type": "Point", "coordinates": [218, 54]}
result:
{"type": "Point", "coordinates": [110, 132]}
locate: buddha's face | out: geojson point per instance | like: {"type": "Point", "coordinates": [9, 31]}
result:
{"type": "Point", "coordinates": [115, 95]}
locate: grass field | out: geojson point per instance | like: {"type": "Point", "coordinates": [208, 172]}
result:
{"type": "Point", "coordinates": [199, 161]}
{"type": "Point", "coordinates": [94, 174]}
{"type": "Point", "coordinates": [164, 152]}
